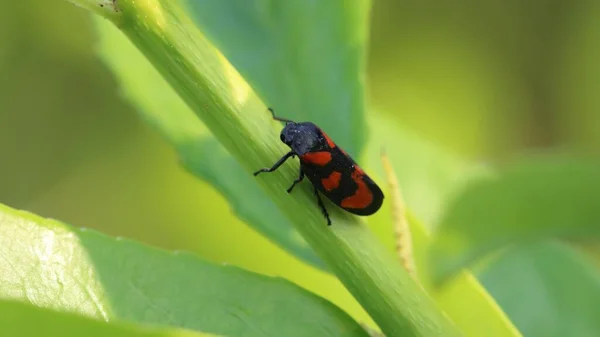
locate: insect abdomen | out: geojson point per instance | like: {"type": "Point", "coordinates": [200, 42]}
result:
{"type": "Point", "coordinates": [342, 181]}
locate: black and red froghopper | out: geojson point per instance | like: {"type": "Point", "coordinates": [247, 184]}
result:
{"type": "Point", "coordinates": [330, 169]}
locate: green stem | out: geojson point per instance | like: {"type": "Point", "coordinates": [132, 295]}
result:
{"type": "Point", "coordinates": [194, 69]}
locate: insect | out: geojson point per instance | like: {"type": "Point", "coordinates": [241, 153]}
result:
{"type": "Point", "coordinates": [329, 168]}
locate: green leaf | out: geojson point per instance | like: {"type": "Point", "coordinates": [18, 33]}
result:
{"type": "Point", "coordinates": [427, 175]}
{"type": "Point", "coordinates": [537, 198]}
{"type": "Point", "coordinates": [547, 289]}
{"type": "Point", "coordinates": [304, 58]}
{"type": "Point", "coordinates": [49, 264]}
{"type": "Point", "coordinates": [160, 106]}
{"type": "Point", "coordinates": [238, 121]}
{"type": "Point", "coordinates": [21, 320]}
{"type": "Point", "coordinates": [484, 317]}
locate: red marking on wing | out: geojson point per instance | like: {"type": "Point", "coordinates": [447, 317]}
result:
{"type": "Point", "coordinates": [363, 197]}
{"type": "Point", "coordinates": [320, 158]}
{"type": "Point", "coordinates": [329, 141]}
{"type": "Point", "coordinates": [332, 182]}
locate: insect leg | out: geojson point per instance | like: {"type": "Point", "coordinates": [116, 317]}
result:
{"type": "Point", "coordinates": [322, 206]}
{"type": "Point", "coordinates": [279, 118]}
{"type": "Point", "coordinates": [277, 164]}
{"type": "Point", "coordinates": [299, 179]}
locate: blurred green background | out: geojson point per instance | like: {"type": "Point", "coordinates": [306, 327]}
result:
{"type": "Point", "coordinates": [485, 80]}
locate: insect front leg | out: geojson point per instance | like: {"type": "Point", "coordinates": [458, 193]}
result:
{"type": "Point", "coordinates": [322, 206]}
{"type": "Point", "coordinates": [299, 179]}
{"type": "Point", "coordinates": [277, 164]}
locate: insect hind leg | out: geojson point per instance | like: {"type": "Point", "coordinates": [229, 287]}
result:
{"type": "Point", "coordinates": [299, 179]}
{"type": "Point", "coordinates": [322, 206]}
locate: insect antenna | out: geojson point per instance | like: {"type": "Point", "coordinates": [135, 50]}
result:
{"type": "Point", "coordinates": [279, 118]}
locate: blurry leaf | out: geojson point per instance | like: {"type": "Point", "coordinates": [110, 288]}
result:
{"type": "Point", "coordinates": [534, 199]}
{"type": "Point", "coordinates": [463, 298]}
{"type": "Point", "coordinates": [427, 173]}
{"type": "Point", "coordinates": [52, 265]}
{"type": "Point", "coordinates": [304, 58]}
{"type": "Point", "coordinates": [21, 320]}
{"type": "Point", "coordinates": [427, 176]}
{"type": "Point", "coordinates": [547, 289]}
{"type": "Point", "coordinates": [201, 154]}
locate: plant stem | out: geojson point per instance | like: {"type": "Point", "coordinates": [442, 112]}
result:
{"type": "Point", "coordinates": [195, 70]}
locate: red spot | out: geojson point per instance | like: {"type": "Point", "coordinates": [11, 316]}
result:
{"type": "Point", "coordinates": [329, 141]}
{"type": "Point", "coordinates": [332, 182]}
{"type": "Point", "coordinates": [320, 158]}
{"type": "Point", "coordinates": [362, 198]}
